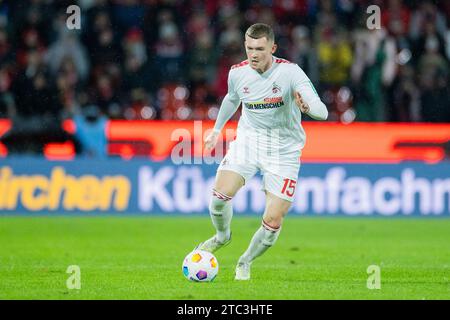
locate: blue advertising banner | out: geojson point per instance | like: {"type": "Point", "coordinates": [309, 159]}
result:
{"type": "Point", "coordinates": [144, 187]}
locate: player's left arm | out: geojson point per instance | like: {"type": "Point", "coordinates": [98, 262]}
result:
{"type": "Point", "coordinates": [306, 96]}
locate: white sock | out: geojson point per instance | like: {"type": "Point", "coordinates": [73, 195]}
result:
{"type": "Point", "coordinates": [263, 239]}
{"type": "Point", "coordinates": [221, 212]}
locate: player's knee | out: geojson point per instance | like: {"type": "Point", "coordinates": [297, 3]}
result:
{"type": "Point", "coordinates": [271, 234]}
{"type": "Point", "coordinates": [275, 212]}
{"type": "Point", "coordinates": [218, 201]}
{"type": "Point", "coordinates": [229, 191]}
{"type": "Point", "coordinates": [273, 221]}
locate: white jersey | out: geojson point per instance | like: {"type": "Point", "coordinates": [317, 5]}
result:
{"type": "Point", "coordinates": [268, 103]}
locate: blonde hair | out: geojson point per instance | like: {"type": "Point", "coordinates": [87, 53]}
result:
{"type": "Point", "coordinates": [259, 30]}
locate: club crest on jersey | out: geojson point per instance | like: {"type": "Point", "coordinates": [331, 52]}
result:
{"type": "Point", "coordinates": [246, 90]}
{"type": "Point", "coordinates": [276, 88]}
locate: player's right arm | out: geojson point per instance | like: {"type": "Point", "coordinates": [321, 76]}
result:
{"type": "Point", "coordinates": [228, 107]}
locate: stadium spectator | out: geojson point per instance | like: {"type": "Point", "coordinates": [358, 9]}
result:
{"type": "Point", "coordinates": [129, 54]}
{"type": "Point", "coordinates": [435, 97]}
{"type": "Point", "coordinates": [303, 53]}
{"type": "Point", "coordinates": [137, 71]}
{"type": "Point", "coordinates": [202, 59]}
{"type": "Point", "coordinates": [37, 120]}
{"type": "Point", "coordinates": [430, 43]}
{"type": "Point", "coordinates": [7, 102]}
{"type": "Point", "coordinates": [373, 70]}
{"type": "Point", "coordinates": [427, 12]}
{"type": "Point", "coordinates": [67, 47]}
{"type": "Point", "coordinates": [136, 74]}
{"type": "Point", "coordinates": [106, 97]}
{"type": "Point", "coordinates": [404, 97]}
{"type": "Point", "coordinates": [103, 42]}
{"type": "Point", "coordinates": [91, 132]}
{"type": "Point", "coordinates": [4, 14]}
{"type": "Point", "coordinates": [334, 57]}
{"type": "Point", "coordinates": [395, 18]}
{"type": "Point", "coordinates": [129, 14]}
{"type": "Point", "coordinates": [6, 51]}
{"type": "Point", "coordinates": [30, 41]}
{"type": "Point", "coordinates": [169, 53]}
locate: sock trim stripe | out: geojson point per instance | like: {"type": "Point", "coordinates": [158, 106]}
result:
{"type": "Point", "coordinates": [269, 227]}
{"type": "Point", "coordinates": [221, 196]}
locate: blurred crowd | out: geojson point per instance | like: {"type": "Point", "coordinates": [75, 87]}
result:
{"type": "Point", "coordinates": [169, 59]}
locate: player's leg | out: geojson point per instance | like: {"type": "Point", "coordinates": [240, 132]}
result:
{"type": "Point", "coordinates": [236, 168]}
{"type": "Point", "coordinates": [227, 184]}
{"type": "Point", "coordinates": [266, 236]}
{"type": "Point", "coordinates": [279, 196]}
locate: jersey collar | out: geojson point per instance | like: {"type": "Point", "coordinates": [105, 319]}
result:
{"type": "Point", "coordinates": [267, 73]}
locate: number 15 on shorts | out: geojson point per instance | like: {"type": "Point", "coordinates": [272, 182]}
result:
{"type": "Point", "coordinates": [288, 187]}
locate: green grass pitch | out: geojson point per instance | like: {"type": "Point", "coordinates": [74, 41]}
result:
{"type": "Point", "coordinates": [140, 257]}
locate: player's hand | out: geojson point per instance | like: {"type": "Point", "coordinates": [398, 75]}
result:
{"type": "Point", "coordinates": [303, 106]}
{"type": "Point", "coordinates": [211, 140]}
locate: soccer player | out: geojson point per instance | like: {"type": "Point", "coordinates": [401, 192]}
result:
{"type": "Point", "coordinates": [274, 93]}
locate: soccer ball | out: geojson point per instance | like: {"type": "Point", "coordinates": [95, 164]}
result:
{"type": "Point", "coordinates": [200, 266]}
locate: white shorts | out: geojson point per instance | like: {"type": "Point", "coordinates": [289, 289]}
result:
{"type": "Point", "coordinates": [279, 171]}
